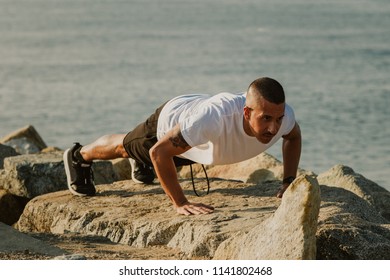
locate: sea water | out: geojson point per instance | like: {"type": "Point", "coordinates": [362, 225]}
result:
{"type": "Point", "coordinates": [79, 69]}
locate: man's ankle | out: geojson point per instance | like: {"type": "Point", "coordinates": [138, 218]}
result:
{"type": "Point", "coordinates": [77, 154]}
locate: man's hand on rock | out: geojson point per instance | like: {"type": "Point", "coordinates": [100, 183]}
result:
{"type": "Point", "coordinates": [194, 209]}
{"type": "Point", "coordinates": [286, 182]}
{"type": "Point", "coordinates": [281, 191]}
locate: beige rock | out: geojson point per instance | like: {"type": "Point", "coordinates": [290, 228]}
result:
{"type": "Point", "coordinates": [352, 220]}
{"type": "Point", "coordinates": [142, 216]}
{"type": "Point", "coordinates": [14, 241]}
{"type": "Point", "coordinates": [288, 234]}
{"type": "Point", "coordinates": [344, 177]}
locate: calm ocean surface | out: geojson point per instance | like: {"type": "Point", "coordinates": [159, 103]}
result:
{"type": "Point", "coordinates": [79, 69]}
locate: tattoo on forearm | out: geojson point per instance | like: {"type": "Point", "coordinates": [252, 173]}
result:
{"type": "Point", "coordinates": [178, 141]}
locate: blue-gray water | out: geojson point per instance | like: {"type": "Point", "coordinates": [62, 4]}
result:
{"type": "Point", "coordinates": [83, 68]}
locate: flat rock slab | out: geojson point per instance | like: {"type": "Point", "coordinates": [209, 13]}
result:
{"type": "Point", "coordinates": [142, 216]}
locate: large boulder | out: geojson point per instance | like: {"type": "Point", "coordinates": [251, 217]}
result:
{"type": "Point", "coordinates": [142, 216]}
{"type": "Point", "coordinates": [352, 220]}
{"type": "Point", "coordinates": [33, 175]}
{"type": "Point", "coordinates": [345, 177]}
{"type": "Point", "coordinates": [290, 233]}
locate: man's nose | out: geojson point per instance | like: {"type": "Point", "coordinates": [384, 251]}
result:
{"type": "Point", "coordinates": [273, 127]}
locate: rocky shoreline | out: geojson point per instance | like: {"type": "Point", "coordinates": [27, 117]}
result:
{"type": "Point", "coordinates": [337, 214]}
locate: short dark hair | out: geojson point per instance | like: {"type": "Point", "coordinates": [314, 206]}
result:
{"type": "Point", "coordinates": [270, 89]}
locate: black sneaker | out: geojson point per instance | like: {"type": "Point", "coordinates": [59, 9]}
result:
{"type": "Point", "coordinates": [141, 173]}
{"type": "Point", "coordinates": [79, 174]}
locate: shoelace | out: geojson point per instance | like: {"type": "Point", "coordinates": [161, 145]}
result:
{"type": "Point", "coordinates": [193, 183]}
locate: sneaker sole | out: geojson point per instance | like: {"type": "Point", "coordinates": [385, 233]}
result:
{"type": "Point", "coordinates": [67, 172]}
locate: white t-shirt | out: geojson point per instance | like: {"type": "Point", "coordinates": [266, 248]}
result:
{"type": "Point", "coordinates": [213, 127]}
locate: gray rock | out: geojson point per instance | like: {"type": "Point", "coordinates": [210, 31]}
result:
{"type": "Point", "coordinates": [72, 257]}
{"type": "Point", "coordinates": [33, 175]}
{"type": "Point", "coordinates": [36, 174]}
{"type": "Point", "coordinates": [23, 146]}
{"type": "Point", "coordinates": [6, 151]}
{"type": "Point", "coordinates": [25, 140]}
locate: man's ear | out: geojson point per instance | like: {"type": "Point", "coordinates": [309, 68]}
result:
{"type": "Point", "coordinates": [247, 112]}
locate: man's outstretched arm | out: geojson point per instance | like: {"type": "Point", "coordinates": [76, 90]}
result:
{"type": "Point", "coordinates": [162, 154]}
{"type": "Point", "coordinates": [292, 144]}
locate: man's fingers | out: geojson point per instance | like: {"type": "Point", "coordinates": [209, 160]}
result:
{"type": "Point", "coordinates": [187, 210]}
{"type": "Point", "coordinates": [195, 209]}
